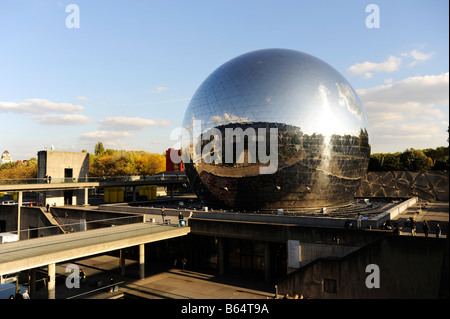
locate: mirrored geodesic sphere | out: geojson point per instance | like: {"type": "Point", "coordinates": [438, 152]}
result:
{"type": "Point", "coordinates": [297, 134]}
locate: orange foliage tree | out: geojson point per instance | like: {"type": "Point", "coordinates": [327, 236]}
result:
{"type": "Point", "coordinates": [126, 163]}
{"type": "Point", "coordinates": [19, 170]}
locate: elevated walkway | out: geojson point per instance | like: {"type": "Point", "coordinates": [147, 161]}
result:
{"type": "Point", "coordinates": [33, 253]}
{"type": "Point", "coordinates": [81, 183]}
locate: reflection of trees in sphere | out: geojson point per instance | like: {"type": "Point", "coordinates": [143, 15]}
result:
{"type": "Point", "coordinates": [323, 144]}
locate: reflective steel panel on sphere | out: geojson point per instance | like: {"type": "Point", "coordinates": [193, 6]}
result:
{"type": "Point", "coordinates": [321, 139]}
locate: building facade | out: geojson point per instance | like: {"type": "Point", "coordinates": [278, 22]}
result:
{"type": "Point", "coordinates": [62, 167]}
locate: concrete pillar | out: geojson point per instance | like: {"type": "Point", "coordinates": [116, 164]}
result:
{"type": "Point", "coordinates": [220, 255]}
{"type": "Point", "coordinates": [122, 262]}
{"type": "Point", "coordinates": [134, 193]}
{"type": "Point", "coordinates": [51, 281]}
{"type": "Point", "coordinates": [32, 283]}
{"type": "Point", "coordinates": [142, 261]}
{"type": "Point", "coordinates": [86, 196]}
{"type": "Point", "coordinates": [19, 205]}
{"type": "Point", "coordinates": [267, 262]}
{"type": "Point", "coordinates": [83, 222]}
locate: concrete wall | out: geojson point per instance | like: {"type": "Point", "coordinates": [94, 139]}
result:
{"type": "Point", "coordinates": [53, 164]}
{"type": "Point", "coordinates": [432, 185]}
{"type": "Point", "coordinates": [283, 233]}
{"type": "Point", "coordinates": [321, 221]}
{"type": "Point", "coordinates": [409, 267]}
{"type": "Point", "coordinates": [56, 198]}
{"type": "Point", "coordinates": [30, 218]}
{"type": "Point", "coordinates": [8, 213]}
{"type": "Point", "coordinates": [311, 251]}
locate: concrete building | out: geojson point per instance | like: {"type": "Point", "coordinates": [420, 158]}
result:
{"type": "Point", "coordinates": [63, 167]}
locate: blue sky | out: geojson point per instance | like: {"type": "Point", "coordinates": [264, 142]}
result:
{"type": "Point", "coordinates": [126, 75]}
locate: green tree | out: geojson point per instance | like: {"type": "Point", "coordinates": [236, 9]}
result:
{"type": "Point", "coordinates": [375, 162]}
{"type": "Point", "coordinates": [99, 149]}
{"type": "Point", "coordinates": [392, 162]}
{"type": "Point", "coordinates": [411, 159]}
{"type": "Point", "coordinates": [414, 160]}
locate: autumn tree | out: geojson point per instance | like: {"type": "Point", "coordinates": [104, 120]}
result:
{"type": "Point", "coordinates": [19, 170]}
{"type": "Point", "coordinates": [126, 163]}
{"type": "Point", "coordinates": [151, 164]}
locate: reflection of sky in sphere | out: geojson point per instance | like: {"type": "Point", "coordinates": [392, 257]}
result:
{"type": "Point", "coordinates": [278, 85]}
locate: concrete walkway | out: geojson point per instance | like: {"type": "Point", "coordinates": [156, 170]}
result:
{"type": "Point", "coordinates": [37, 252]}
{"type": "Point", "coordinates": [432, 212]}
{"type": "Point", "coordinates": [161, 283]}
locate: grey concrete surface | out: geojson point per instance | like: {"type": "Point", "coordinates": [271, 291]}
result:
{"type": "Point", "coordinates": [162, 282]}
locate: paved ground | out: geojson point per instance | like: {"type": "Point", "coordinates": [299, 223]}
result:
{"type": "Point", "coordinates": [433, 212]}
{"type": "Point", "coordinates": [161, 282]}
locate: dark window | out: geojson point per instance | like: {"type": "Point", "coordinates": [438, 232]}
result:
{"type": "Point", "coordinates": [329, 285]}
{"type": "Point", "coordinates": [68, 172]}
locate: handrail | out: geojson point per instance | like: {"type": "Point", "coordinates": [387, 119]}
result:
{"type": "Point", "coordinates": [18, 181]}
{"type": "Point", "coordinates": [94, 290]}
{"type": "Point", "coordinates": [77, 227]}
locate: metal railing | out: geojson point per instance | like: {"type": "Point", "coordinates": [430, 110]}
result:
{"type": "Point", "coordinates": [112, 288]}
{"type": "Point", "coordinates": [19, 181]}
{"type": "Point", "coordinates": [83, 225]}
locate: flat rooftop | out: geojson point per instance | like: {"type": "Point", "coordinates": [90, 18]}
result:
{"type": "Point", "coordinates": [374, 211]}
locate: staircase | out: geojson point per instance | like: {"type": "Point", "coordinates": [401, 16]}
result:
{"type": "Point", "coordinates": [51, 219]}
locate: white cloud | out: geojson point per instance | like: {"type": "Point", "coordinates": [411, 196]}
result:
{"type": "Point", "coordinates": [159, 89]}
{"type": "Point", "coordinates": [130, 123]}
{"type": "Point", "coordinates": [392, 64]}
{"type": "Point", "coordinates": [62, 119]}
{"type": "Point", "coordinates": [82, 98]}
{"type": "Point", "coordinates": [110, 139]}
{"type": "Point", "coordinates": [411, 112]}
{"type": "Point", "coordinates": [428, 89]}
{"type": "Point", "coordinates": [417, 56]}
{"type": "Point", "coordinates": [107, 135]}
{"type": "Point", "coordinates": [39, 106]}
{"type": "Point", "coordinates": [366, 69]}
